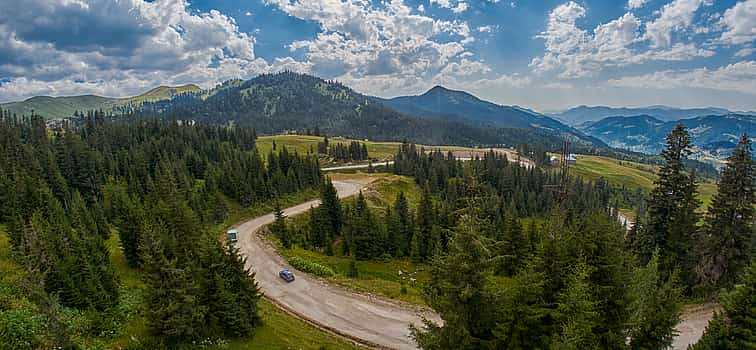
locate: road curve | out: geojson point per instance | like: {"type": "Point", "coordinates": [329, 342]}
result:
{"type": "Point", "coordinates": [369, 320]}
{"type": "Point", "coordinates": [357, 166]}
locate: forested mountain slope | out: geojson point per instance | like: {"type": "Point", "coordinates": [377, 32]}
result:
{"type": "Point", "coordinates": [275, 103]}
{"type": "Point", "coordinates": [442, 103]}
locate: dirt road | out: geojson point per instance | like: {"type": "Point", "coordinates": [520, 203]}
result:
{"type": "Point", "coordinates": [371, 320]}
{"type": "Point", "coordinates": [694, 321]}
{"type": "Point", "coordinates": [366, 319]}
{"type": "Point", "coordinates": [356, 166]}
{"type": "Point", "coordinates": [524, 162]}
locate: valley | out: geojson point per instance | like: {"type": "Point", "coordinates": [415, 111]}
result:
{"type": "Point", "coordinates": [389, 175]}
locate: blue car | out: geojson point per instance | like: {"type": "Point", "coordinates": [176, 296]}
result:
{"type": "Point", "coordinates": [286, 275]}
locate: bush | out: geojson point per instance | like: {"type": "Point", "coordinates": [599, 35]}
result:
{"type": "Point", "coordinates": [353, 272]}
{"type": "Point", "coordinates": [311, 267]}
{"type": "Point", "coordinates": [18, 330]}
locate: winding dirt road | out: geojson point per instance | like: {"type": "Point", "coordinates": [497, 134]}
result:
{"type": "Point", "coordinates": [369, 320]}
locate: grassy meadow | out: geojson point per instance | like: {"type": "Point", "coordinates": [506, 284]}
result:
{"type": "Point", "coordinates": [630, 174]}
{"type": "Point", "coordinates": [376, 150]}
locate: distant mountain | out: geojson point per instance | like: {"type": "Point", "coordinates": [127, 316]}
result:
{"type": "Point", "coordinates": [274, 103]}
{"type": "Point", "coordinates": [713, 136]}
{"type": "Point", "coordinates": [442, 103]}
{"type": "Point", "coordinates": [61, 107]}
{"type": "Point", "coordinates": [582, 114]}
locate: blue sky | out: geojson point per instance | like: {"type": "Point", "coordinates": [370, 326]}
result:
{"type": "Point", "coordinates": [545, 55]}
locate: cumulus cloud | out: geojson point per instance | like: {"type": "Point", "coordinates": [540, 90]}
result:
{"type": "Point", "coordinates": [746, 51]}
{"type": "Point", "coordinates": [486, 29]}
{"type": "Point", "coordinates": [673, 17]}
{"type": "Point", "coordinates": [574, 52]}
{"type": "Point", "coordinates": [453, 5]}
{"type": "Point", "coordinates": [737, 77]}
{"type": "Point", "coordinates": [117, 48]}
{"type": "Point", "coordinates": [378, 47]}
{"type": "Point", "coordinates": [634, 4]}
{"type": "Point", "coordinates": [740, 23]}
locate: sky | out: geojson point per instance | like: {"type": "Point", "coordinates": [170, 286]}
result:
{"type": "Point", "coordinates": [545, 55]}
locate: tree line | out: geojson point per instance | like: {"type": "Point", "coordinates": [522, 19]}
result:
{"type": "Point", "coordinates": [589, 284]}
{"type": "Point", "coordinates": [508, 190]}
{"type": "Point", "coordinates": [161, 186]}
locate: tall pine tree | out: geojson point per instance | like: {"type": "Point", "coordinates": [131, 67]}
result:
{"type": "Point", "coordinates": [729, 234]}
{"type": "Point", "coordinates": [672, 217]}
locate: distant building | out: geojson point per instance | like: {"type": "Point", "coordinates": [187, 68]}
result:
{"type": "Point", "coordinates": [571, 160]}
{"type": "Point", "coordinates": [56, 123]}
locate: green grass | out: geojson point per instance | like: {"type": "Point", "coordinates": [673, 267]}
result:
{"type": "Point", "coordinates": [630, 175]}
{"type": "Point", "coordinates": [65, 106]}
{"type": "Point", "coordinates": [278, 329]}
{"type": "Point", "coordinates": [238, 214]}
{"type": "Point", "coordinates": [10, 271]}
{"type": "Point", "coordinates": [380, 277]}
{"type": "Point", "coordinates": [281, 331]}
{"type": "Point", "coordinates": [376, 149]}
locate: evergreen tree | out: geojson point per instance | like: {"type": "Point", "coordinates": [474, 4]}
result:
{"type": "Point", "coordinates": [404, 228]}
{"type": "Point", "coordinates": [240, 314]}
{"type": "Point", "coordinates": [734, 327]}
{"type": "Point", "coordinates": [278, 228]}
{"type": "Point", "coordinates": [655, 309]}
{"type": "Point", "coordinates": [424, 230]}
{"type": "Point", "coordinates": [330, 215]}
{"type": "Point", "coordinates": [577, 313]}
{"type": "Point", "coordinates": [672, 216]}
{"type": "Point", "coordinates": [456, 292]}
{"type": "Point", "coordinates": [363, 232]}
{"type": "Point", "coordinates": [729, 233]}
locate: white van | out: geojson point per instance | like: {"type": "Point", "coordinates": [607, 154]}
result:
{"type": "Point", "coordinates": [232, 235]}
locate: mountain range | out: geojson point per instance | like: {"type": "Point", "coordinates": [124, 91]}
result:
{"type": "Point", "coordinates": [581, 114]}
{"type": "Point", "coordinates": [282, 102]}
{"type": "Point", "coordinates": [713, 136]}
{"type": "Point", "coordinates": [65, 106]}
{"type": "Point", "coordinates": [274, 103]}
{"type": "Point", "coordinates": [442, 103]}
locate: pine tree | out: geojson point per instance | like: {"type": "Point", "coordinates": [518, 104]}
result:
{"type": "Point", "coordinates": [130, 226]}
{"type": "Point", "coordinates": [330, 208]}
{"type": "Point", "coordinates": [734, 327]}
{"type": "Point", "coordinates": [363, 231]}
{"type": "Point", "coordinates": [577, 313]}
{"type": "Point", "coordinates": [278, 228]}
{"type": "Point", "coordinates": [173, 308]}
{"type": "Point", "coordinates": [729, 233]}
{"type": "Point", "coordinates": [456, 292]}
{"type": "Point", "coordinates": [423, 234]}
{"type": "Point", "coordinates": [672, 216]}
{"type": "Point", "coordinates": [404, 230]}
{"type": "Point", "coordinates": [241, 314]}
{"type": "Point", "coordinates": [655, 309]}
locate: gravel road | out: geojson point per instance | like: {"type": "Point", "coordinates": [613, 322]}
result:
{"type": "Point", "coordinates": [369, 320]}
{"type": "Point", "coordinates": [366, 319]}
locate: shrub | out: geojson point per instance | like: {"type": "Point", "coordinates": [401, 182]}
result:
{"type": "Point", "coordinates": [311, 267]}
{"type": "Point", "coordinates": [353, 272]}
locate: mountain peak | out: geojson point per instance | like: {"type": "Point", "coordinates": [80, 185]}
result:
{"type": "Point", "coordinates": [438, 89]}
